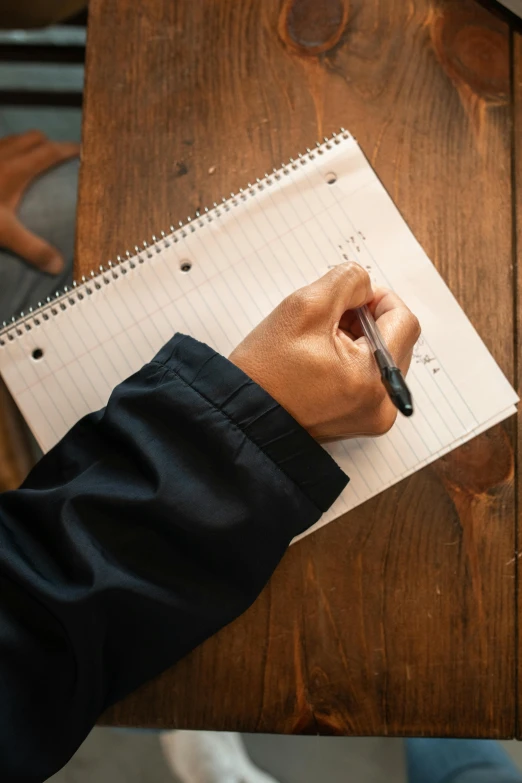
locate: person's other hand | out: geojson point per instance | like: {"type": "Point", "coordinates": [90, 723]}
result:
{"type": "Point", "coordinates": [23, 158]}
{"type": "Point", "coordinates": [309, 355]}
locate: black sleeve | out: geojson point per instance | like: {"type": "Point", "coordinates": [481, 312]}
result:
{"type": "Point", "coordinates": [152, 524]}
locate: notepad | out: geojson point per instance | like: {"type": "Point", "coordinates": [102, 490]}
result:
{"type": "Point", "coordinates": [220, 273]}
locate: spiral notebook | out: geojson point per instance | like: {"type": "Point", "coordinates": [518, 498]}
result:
{"type": "Point", "coordinates": [220, 273]}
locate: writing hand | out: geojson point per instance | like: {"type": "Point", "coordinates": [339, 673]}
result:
{"type": "Point", "coordinates": [309, 355]}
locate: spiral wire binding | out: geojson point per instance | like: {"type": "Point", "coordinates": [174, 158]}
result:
{"type": "Point", "coordinates": [79, 290]}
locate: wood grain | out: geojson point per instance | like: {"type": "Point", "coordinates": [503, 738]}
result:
{"type": "Point", "coordinates": [17, 456]}
{"type": "Point", "coordinates": [517, 205]}
{"type": "Point", "coordinates": [398, 619]}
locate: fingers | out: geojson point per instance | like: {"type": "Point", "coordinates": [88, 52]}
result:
{"type": "Point", "coordinates": [44, 156]}
{"type": "Point", "coordinates": [351, 324]}
{"type": "Point", "coordinates": [17, 238]}
{"type": "Point", "coordinates": [398, 326]}
{"type": "Point", "coordinates": [344, 287]}
{"type": "Point", "coordinates": [17, 144]}
{"type": "Point", "coordinates": [68, 149]}
{"type": "Point", "coordinates": [404, 364]}
{"type": "Point", "coordinates": [25, 157]}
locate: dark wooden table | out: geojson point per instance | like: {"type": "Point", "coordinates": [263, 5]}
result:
{"type": "Point", "coordinates": [400, 618]}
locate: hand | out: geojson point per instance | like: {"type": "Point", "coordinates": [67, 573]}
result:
{"type": "Point", "coordinates": [309, 355]}
{"type": "Point", "coordinates": [22, 159]}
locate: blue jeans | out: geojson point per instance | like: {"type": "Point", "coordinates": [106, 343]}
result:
{"type": "Point", "coordinates": [459, 761]}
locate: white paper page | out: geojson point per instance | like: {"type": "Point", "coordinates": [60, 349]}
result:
{"type": "Point", "coordinates": [245, 258]}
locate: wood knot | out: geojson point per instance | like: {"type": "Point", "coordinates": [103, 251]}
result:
{"type": "Point", "coordinates": [309, 27]}
{"type": "Point", "coordinates": [473, 48]}
{"type": "Point", "coordinates": [480, 466]}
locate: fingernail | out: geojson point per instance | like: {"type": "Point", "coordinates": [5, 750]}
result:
{"type": "Point", "coordinates": [54, 265]}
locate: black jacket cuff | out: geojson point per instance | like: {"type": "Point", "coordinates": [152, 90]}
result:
{"type": "Point", "coordinates": [258, 415]}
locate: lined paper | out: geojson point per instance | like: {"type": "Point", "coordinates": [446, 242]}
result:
{"type": "Point", "coordinates": [244, 258]}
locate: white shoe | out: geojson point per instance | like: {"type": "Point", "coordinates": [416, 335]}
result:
{"type": "Point", "coordinates": [210, 757]}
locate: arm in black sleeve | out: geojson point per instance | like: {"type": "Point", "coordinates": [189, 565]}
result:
{"type": "Point", "coordinates": [152, 524]}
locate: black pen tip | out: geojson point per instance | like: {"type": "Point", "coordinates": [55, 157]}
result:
{"type": "Point", "coordinates": [396, 387]}
{"type": "Point", "coordinates": [406, 409]}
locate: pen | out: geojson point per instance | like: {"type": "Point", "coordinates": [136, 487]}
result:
{"type": "Point", "coordinates": [391, 376]}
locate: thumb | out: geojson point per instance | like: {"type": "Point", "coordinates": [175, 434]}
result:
{"type": "Point", "coordinates": [343, 288]}
{"type": "Point", "coordinates": [16, 237]}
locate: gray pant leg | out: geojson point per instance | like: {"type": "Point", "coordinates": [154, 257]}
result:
{"type": "Point", "coordinates": [49, 209]}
